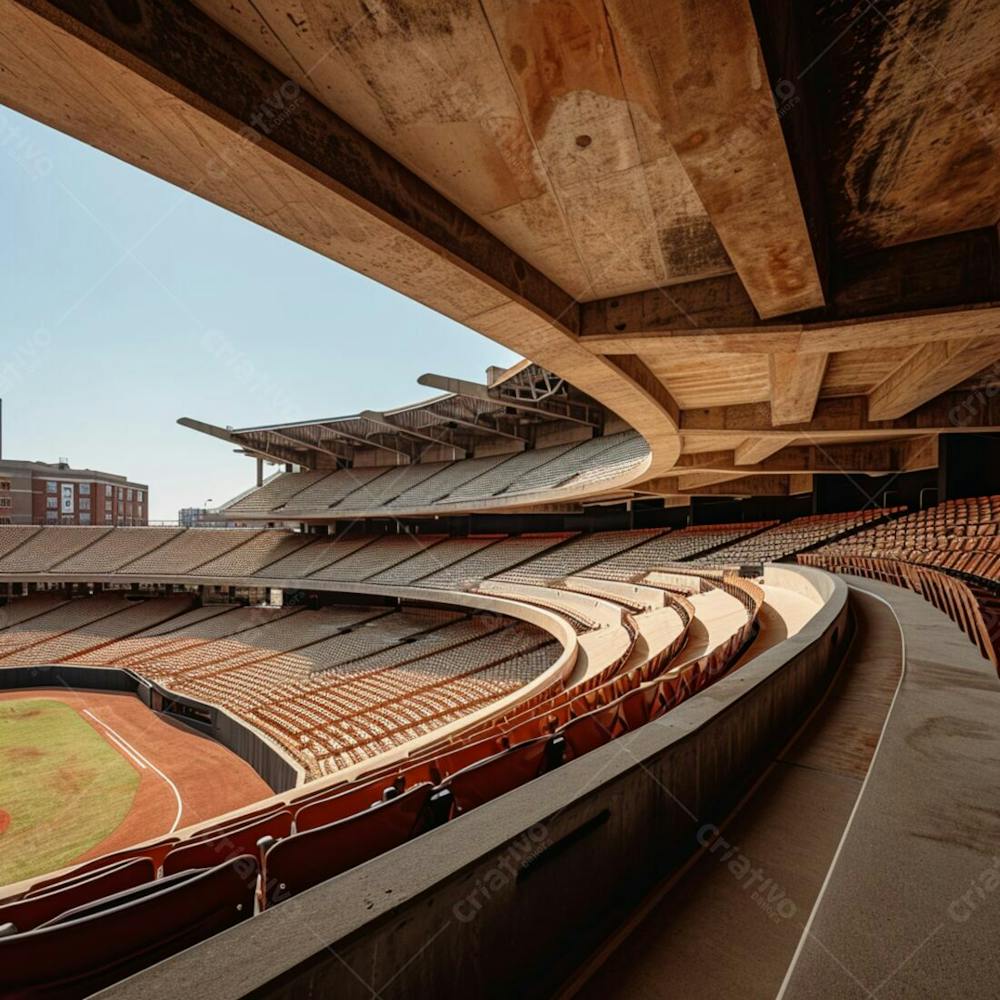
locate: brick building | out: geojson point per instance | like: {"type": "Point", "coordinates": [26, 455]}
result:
{"type": "Point", "coordinates": [54, 493]}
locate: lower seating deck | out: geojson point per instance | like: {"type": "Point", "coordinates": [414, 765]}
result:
{"type": "Point", "coordinates": [321, 830]}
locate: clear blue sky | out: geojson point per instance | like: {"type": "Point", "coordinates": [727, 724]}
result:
{"type": "Point", "coordinates": [116, 289]}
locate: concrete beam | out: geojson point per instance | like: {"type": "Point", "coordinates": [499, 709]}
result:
{"type": "Point", "coordinates": [724, 128]}
{"type": "Point", "coordinates": [951, 412]}
{"type": "Point", "coordinates": [930, 370]}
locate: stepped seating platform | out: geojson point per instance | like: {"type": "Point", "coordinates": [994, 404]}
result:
{"type": "Point", "coordinates": [577, 554]}
{"type": "Point", "coordinates": [279, 489]}
{"type": "Point", "coordinates": [253, 555]}
{"type": "Point", "coordinates": [326, 492]}
{"type": "Point", "coordinates": [431, 560]}
{"type": "Point", "coordinates": [379, 491]}
{"type": "Point", "coordinates": [446, 481]}
{"type": "Point", "coordinates": [949, 554]}
{"type": "Point", "coordinates": [490, 561]}
{"type": "Point", "coordinates": [670, 547]}
{"type": "Point", "coordinates": [189, 550]}
{"type": "Point", "coordinates": [319, 553]}
{"type": "Point", "coordinates": [114, 549]}
{"type": "Point", "coordinates": [787, 539]}
{"type": "Point", "coordinates": [64, 618]}
{"type": "Point", "coordinates": [369, 560]}
{"type": "Point", "coordinates": [38, 551]}
{"type": "Point", "coordinates": [371, 491]}
{"type": "Point", "coordinates": [81, 640]}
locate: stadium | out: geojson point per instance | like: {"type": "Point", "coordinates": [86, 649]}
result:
{"type": "Point", "coordinates": [661, 663]}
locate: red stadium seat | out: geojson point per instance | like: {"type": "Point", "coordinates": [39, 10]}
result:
{"type": "Point", "coordinates": [155, 852]}
{"type": "Point", "coordinates": [91, 947]}
{"type": "Point", "coordinates": [497, 775]}
{"type": "Point", "coordinates": [28, 913]}
{"type": "Point", "coordinates": [591, 730]}
{"type": "Point", "coordinates": [203, 852]}
{"type": "Point", "coordinates": [454, 761]}
{"type": "Point", "coordinates": [321, 793]}
{"type": "Point", "coordinates": [235, 821]}
{"type": "Point", "coordinates": [634, 709]}
{"type": "Point", "coordinates": [339, 805]}
{"type": "Point", "coordinates": [306, 859]}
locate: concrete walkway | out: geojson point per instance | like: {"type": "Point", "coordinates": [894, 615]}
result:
{"type": "Point", "coordinates": [729, 926]}
{"type": "Point", "coordinates": [912, 905]}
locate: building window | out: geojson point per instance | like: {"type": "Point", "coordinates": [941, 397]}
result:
{"type": "Point", "coordinates": [50, 487]}
{"type": "Point", "coordinates": [130, 492]}
{"type": "Point", "coordinates": [84, 503]}
{"type": "Point", "coordinates": [109, 491]}
{"type": "Point", "coordinates": [85, 489]}
{"type": "Point", "coordinates": [121, 493]}
{"type": "Point", "coordinates": [51, 516]}
{"type": "Point", "coordinates": [5, 485]}
{"type": "Point", "coordinates": [51, 503]}
{"type": "Point", "coordinates": [139, 495]}
{"type": "Point", "coordinates": [84, 518]}
{"type": "Point", "coordinates": [4, 520]}
{"type": "Point", "coordinates": [4, 501]}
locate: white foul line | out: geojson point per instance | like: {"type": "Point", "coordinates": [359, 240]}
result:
{"type": "Point", "coordinates": [142, 762]}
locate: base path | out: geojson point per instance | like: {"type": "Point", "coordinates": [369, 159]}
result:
{"type": "Point", "coordinates": [185, 778]}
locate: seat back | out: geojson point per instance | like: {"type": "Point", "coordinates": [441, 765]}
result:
{"type": "Point", "coordinates": [205, 852]}
{"type": "Point", "coordinates": [27, 913]}
{"type": "Point", "coordinates": [497, 775]}
{"type": "Point", "coordinates": [297, 800]}
{"type": "Point", "coordinates": [633, 709]}
{"type": "Point", "coordinates": [306, 859]}
{"type": "Point", "coordinates": [460, 758]}
{"type": "Point", "coordinates": [590, 731]}
{"type": "Point", "coordinates": [341, 804]}
{"type": "Point", "coordinates": [236, 821]}
{"type": "Point", "coordinates": [155, 852]}
{"type": "Point", "coordinates": [84, 952]}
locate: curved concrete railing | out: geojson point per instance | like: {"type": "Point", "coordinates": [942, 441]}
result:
{"type": "Point", "coordinates": [443, 913]}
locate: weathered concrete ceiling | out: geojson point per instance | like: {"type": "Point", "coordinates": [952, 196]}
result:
{"type": "Point", "coordinates": [714, 216]}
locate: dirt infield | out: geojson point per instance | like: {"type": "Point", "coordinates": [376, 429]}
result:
{"type": "Point", "coordinates": [184, 777]}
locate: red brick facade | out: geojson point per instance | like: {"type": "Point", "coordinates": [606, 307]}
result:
{"type": "Point", "coordinates": [40, 493]}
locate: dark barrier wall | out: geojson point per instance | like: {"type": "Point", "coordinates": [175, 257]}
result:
{"type": "Point", "coordinates": [96, 678]}
{"type": "Point", "coordinates": [218, 724]}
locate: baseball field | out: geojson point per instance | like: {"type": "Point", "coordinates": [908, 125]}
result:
{"type": "Point", "coordinates": [63, 786]}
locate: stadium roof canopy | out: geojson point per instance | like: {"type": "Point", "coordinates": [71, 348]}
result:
{"type": "Point", "coordinates": [468, 415]}
{"type": "Point", "coordinates": [743, 227]}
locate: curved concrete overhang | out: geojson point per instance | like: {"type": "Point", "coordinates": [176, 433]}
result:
{"type": "Point", "coordinates": [327, 186]}
{"type": "Point", "coordinates": [642, 470]}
